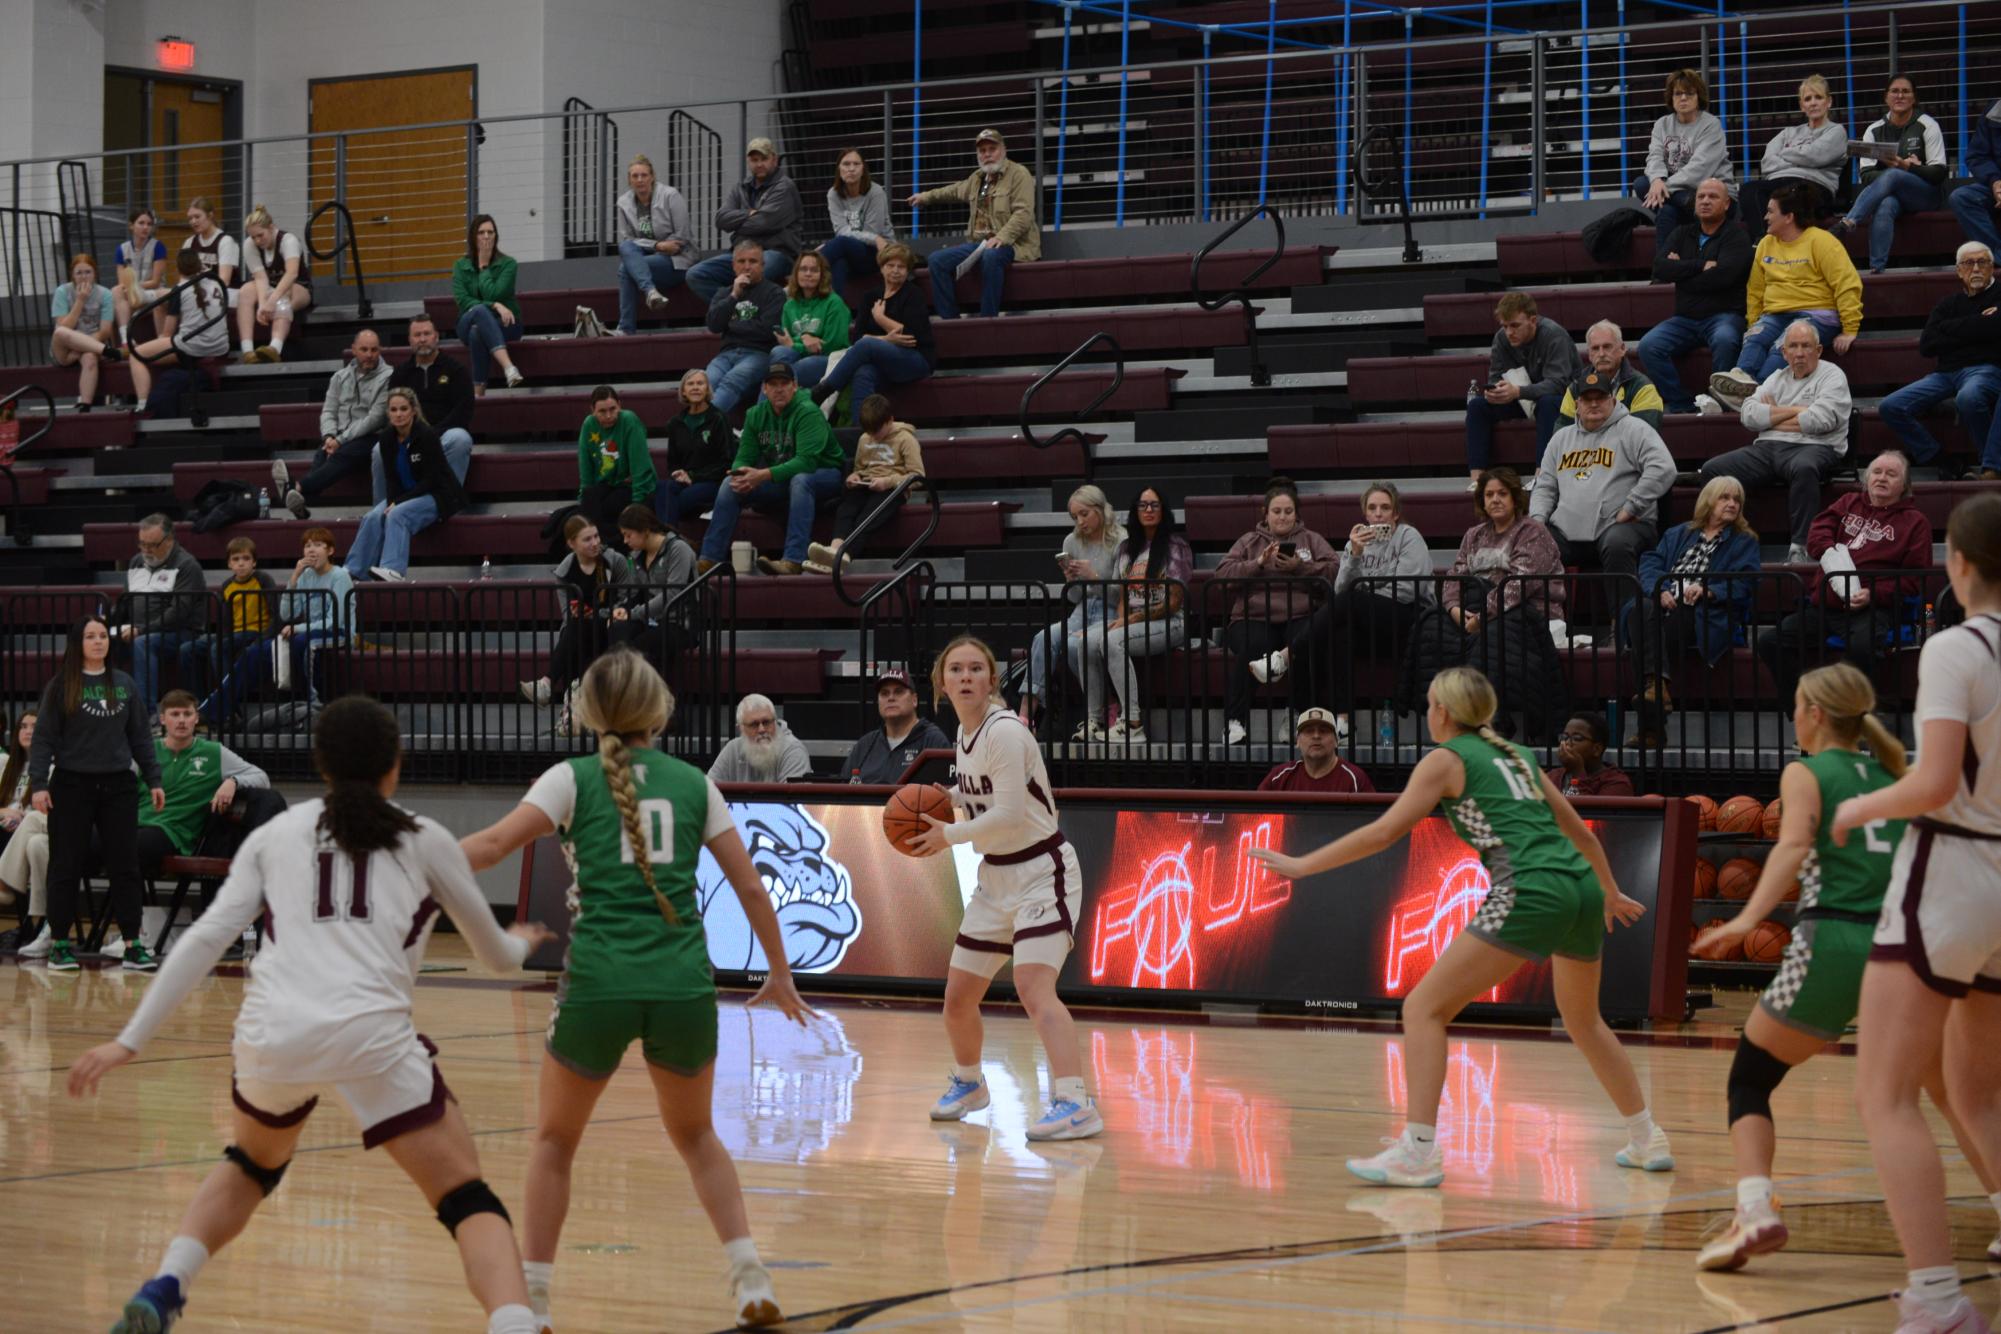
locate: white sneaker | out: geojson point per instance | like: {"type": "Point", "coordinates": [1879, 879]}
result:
{"type": "Point", "coordinates": [1916, 1318]}
{"type": "Point", "coordinates": [1132, 734]}
{"type": "Point", "coordinates": [1066, 1119]}
{"type": "Point", "coordinates": [38, 948]}
{"type": "Point", "coordinates": [114, 946]}
{"type": "Point", "coordinates": [514, 376]}
{"type": "Point", "coordinates": [1653, 1156]}
{"type": "Point", "coordinates": [1707, 406]}
{"type": "Point", "coordinates": [385, 574]}
{"type": "Point", "coordinates": [1472, 485]}
{"type": "Point", "coordinates": [1748, 1232]}
{"type": "Point", "coordinates": [960, 1097]}
{"type": "Point", "coordinates": [536, 691]}
{"type": "Point", "coordinates": [1401, 1164]}
{"type": "Point", "coordinates": [1796, 555]}
{"type": "Point", "coordinates": [281, 477]}
{"type": "Point", "coordinates": [1732, 387]}
{"type": "Point", "coordinates": [1234, 734]}
{"type": "Point", "coordinates": [655, 299]}
{"type": "Point", "coordinates": [756, 1303]}
{"type": "Point", "coordinates": [295, 501]}
{"type": "Point", "coordinates": [1266, 670]}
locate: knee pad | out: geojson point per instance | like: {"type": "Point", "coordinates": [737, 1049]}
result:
{"type": "Point", "coordinates": [1754, 1073]}
{"type": "Point", "coordinates": [267, 1178]}
{"type": "Point", "coordinates": [475, 1197]}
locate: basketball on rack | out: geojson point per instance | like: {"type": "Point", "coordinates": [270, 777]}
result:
{"type": "Point", "coordinates": [1740, 815]}
{"type": "Point", "coordinates": [1705, 812]}
{"type": "Point", "coordinates": [1766, 942]}
{"type": "Point", "coordinates": [903, 817]}
{"type": "Point", "coordinates": [1705, 878]}
{"type": "Point", "coordinates": [1737, 878]}
{"type": "Point", "coordinates": [1774, 812]}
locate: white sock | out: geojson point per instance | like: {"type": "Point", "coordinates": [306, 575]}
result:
{"type": "Point", "coordinates": [512, 1319]}
{"type": "Point", "coordinates": [1937, 1288]}
{"type": "Point", "coordinates": [249, 345]}
{"type": "Point", "coordinates": [969, 1073]}
{"type": "Point", "coordinates": [1640, 1127]}
{"type": "Point", "coordinates": [1071, 1087]}
{"type": "Point", "coordinates": [1995, 1200]}
{"type": "Point", "coordinates": [184, 1258]}
{"type": "Point", "coordinates": [124, 333]}
{"type": "Point", "coordinates": [277, 343]}
{"type": "Point", "coordinates": [539, 1274]}
{"type": "Point", "coordinates": [1422, 1137]}
{"type": "Point", "coordinates": [1754, 1192]}
{"type": "Point", "coordinates": [741, 1253]}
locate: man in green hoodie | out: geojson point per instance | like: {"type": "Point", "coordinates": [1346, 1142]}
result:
{"type": "Point", "coordinates": [787, 462]}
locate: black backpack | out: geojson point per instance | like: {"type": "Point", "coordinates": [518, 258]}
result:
{"type": "Point", "coordinates": [1607, 238]}
{"type": "Point", "coordinates": [221, 503]}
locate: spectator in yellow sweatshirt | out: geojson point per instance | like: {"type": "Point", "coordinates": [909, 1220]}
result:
{"type": "Point", "coordinates": [246, 611]}
{"type": "Point", "coordinates": [886, 454]}
{"type": "Point", "coordinates": [1798, 272]}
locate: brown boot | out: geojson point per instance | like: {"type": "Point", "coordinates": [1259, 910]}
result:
{"type": "Point", "coordinates": [704, 566]}
{"type": "Point", "coordinates": [770, 566]}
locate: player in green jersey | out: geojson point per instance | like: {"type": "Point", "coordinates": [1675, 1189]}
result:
{"type": "Point", "coordinates": [637, 968]}
{"type": "Point", "coordinates": [1553, 894]}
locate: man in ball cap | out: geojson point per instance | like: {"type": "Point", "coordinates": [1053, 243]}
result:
{"type": "Point", "coordinates": [1600, 480]}
{"type": "Point", "coordinates": [1000, 227]}
{"type": "Point", "coordinates": [787, 462]}
{"type": "Point", "coordinates": [884, 753]}
{"type": "Point", "coordinates": [1319, 767]}
{"type": "Point", "coordinates": [763, 207]}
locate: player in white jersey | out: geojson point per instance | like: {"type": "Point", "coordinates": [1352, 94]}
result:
{"type": "Point", "coordinates": [1937, 951]}
{"type": "Point", "coordinates": [347, 889]}
{"type": "Point", "coordinates": [1025, 906]}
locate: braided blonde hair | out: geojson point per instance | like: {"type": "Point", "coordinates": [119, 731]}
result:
{"type": "Point", "coordinates": [622, 696]}
{"type": "Point", "coordinates": [1469, 700]}
{"type": "Point", "coordinates": [1841, 691]}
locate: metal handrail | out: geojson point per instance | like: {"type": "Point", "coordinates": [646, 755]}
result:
{"type": "Point", "coordinates": [75, 169]}
{"type": "Point", "coordinates": [364, 309]}
{"type": "Point", "coordinates": [575, 153]}
{"type": "Point", "coordinates": [172, 296]}
{"type": "Point", "coordinates": [1375, 184]}
{"type": "Point", "coordinates": [14, 529]}
{"type": "Point", "coordinates": [910, 585]}
{"type": "Point", "coordinates": [879, 515]}
{"type": "Point", "coordinates": [1260, 373]}
{"type": "Point", "coordinates": [1069, 433]}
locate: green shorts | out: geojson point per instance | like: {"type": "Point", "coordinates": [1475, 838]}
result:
{"type": "Point", "coordinates": [590, 1037]}
{"type": "Point", "coordinates": [1819, 984]}
{"type": "Point", "coordinates": [1550, 914]}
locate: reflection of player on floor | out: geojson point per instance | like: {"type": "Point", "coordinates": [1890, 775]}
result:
{"type": "Point", "coordinates": [1813, 999]}
{"type": "Point", "coordinates": [345, 888]}
{"type": "Point", "coordinates": [638, 962]}
{"type": "Point", "coordinates": [1024, 906]}
{"type": "Point", "coordinates": [1931, 992]}
{"type": "Point", "coordinates": [1553, 893]}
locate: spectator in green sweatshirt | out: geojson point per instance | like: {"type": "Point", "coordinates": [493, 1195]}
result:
{"type": "Point", "coordinates": [614, 466]}
{"type": "Point", "coordinates": [814, 325]}
{"type": "Point", "coordinates": [787, 462]}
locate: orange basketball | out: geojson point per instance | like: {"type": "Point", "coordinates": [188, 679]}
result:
{"type": "Point", "coordinates": [1705, 878]}
{"type": "Point", "coordinates": [1737, 878]}
{"type": "Point", "coordinates": [1767, 942]}
{"type": "Point", "coordinates": [1740, 815]}
{"type": "Point", "coordinates": [1774, 812]}
{"type": "Point", "coordinates": [1792, 893]}
{"type": "Point", "coordinates": [903, 817]}
{"type": "Point", "coordinates": [1705, 812]}
{"type": "Point", "coordinates": [1695, 930]}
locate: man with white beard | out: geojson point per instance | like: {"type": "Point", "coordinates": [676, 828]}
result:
{"type": "Point", "coordinates": [764, 749]}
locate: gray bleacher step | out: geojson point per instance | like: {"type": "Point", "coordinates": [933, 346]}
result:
{"type": "Point", "coordinates": [181, 425]}
{"type": "Point", "coordinates": [1326, 352]}
{"type": "Point", "coordinates": [1229, 419]}
{"type": "Point", "coordinates": [1361, 291]}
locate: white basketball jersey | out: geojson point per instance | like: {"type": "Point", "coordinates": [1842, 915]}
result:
{"type": "Point", "coordinates": [1959, 680]}
{"type": "Point", "coordinates": [1004, 797]}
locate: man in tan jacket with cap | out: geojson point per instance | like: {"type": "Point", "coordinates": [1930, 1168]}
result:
{"type": "Point", "coordinates": [1000, 227]}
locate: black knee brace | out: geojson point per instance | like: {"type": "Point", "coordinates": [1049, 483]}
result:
{"type": "Point", "coordinates": [475, 1197]}
{"type": "Point", "coordinates": [267, 1178]}
{"type": "Point", "coordinates": [1754, 1073]}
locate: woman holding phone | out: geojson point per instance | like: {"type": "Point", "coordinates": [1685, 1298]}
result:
{"type": "Point", "coordinates": [1089, 555]}
{"type": "Point", "coordinates": [1271, 565]}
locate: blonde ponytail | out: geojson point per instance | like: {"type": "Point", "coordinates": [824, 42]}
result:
{"type": "Point", "coordinates": [1469, 700]}
{"type": "Point", "coordinates": [1847, 700]}
{"type": "Point", "coordinates": [1885, 745]}
{"type": "Point", "coordinates": [617, 763]}
{"type": "Point", "coordinates": [620, 696]}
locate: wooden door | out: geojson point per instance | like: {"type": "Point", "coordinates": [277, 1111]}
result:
{"type": "Point", "coordinates": [407, 188]}
{"type": "Point", "coordinates": [187, 114]}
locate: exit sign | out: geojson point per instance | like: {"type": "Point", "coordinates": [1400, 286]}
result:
{"type": "Point", "coordinates": [176, 54]}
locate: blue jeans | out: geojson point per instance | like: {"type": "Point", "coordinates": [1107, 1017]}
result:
{"type": "Point", "coordinates": [872, 363]}
{"type": "Point", "coordinates": [1761, 356]}
{"type": "Point", "coordinates": [1974, 391]}
{"type": "Point", "coordinates": [253, 668]}
{"type": "Point", "coordinates": [1724, 335]}
{"type": "Point", "coordinates": [481, 331]}
{"type": "Point", "coordinates": [847, 256]}
{"type": "Point", "coordinates": [674, 501]}
{"type": "Point", "coordinates": [1678, 208]}
{"type": "Point", "coordinates": [735, 374]}
{"type": "Point", "coordinates": [148, 652]}
{"type": "Point", "coordinates": [1975, 209]}
{"type": "Point", "coordinates": [809, 367]}
{"type": "Point", "coordinates": [457, 444]}
{"type": "Point", "coordinates": [1893, 191]}
{"type": "Point", "coordinates": [800, 499]}
{"type": "Point", "coordinates": [641, 269]}
{"type": "Point", "coordinates": [1067, 637]}
{"type": "Point", "coordinates": [944, 265]}
{"type": "Point", "coordinates": [384, 536]}
{"type": "Point", "coordinates": [1482, 417]}
{"type": "Point", "coordinates": [201, 658]}
{"type": "Point", "coordinates": [713, 274]}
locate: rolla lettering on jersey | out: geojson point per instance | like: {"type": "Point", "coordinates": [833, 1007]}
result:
{"type": "Point", "coordinates": [969, 790]}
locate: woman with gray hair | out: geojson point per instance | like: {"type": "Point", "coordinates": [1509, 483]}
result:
{"type": "Point", "coordinates": [1090, 553]}
{"type": "Point", "coordinates": [700, 448]}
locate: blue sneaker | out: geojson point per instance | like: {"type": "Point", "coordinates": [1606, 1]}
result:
{"type": "Point", "coordinates": [1066, 1119]}
{"type": "Point", "coordinates": [153, 1309]}
{"type": "Point", "coordinates": [961, 1096]}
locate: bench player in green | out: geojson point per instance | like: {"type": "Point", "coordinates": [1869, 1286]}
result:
{"type": "Point", "coordinates": [1818, 989]}
{"type": "Point", "coordinates": [637, 968]}
{"type": "Point", "coordinates": [1553, 894]}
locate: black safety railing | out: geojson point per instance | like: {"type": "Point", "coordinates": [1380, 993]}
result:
{"type": "Point", "coordinates": [178, 348]}
{"type": "Point", "coordinates": [698, 656]}
{"type": "Point", "coordinates": [590, 179]}
{"type": "Point", "coordinates": [1386, 139]}
{"type": "Point", "coordinates": [345, 239]}
{"type": "Point", "coordinates": [73, 201]}
{"type": "Point", "coordinates": [12, 446]}
{"type": "Point", "coordinates": [1105, 395]}
{"type": "Point", "coordinates": [37, 263]}
{"type": "Point", "coordinates": [695, 168]}
{"type": "Point", "coordinates": [1240, 293]}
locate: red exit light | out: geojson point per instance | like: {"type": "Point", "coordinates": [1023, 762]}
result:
{"type": "Point", "coordinates": [176, 54]}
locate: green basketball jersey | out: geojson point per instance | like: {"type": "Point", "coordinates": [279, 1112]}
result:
{"type": "Point", "coordinates": [1853, 878]}
{"type": "Point", "coordinates": [622, 946]}
{"type": "Point", "coordinates": [1502, 813]}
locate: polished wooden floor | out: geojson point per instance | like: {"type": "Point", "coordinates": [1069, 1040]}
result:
{"type": "Point", "coordinates": [1215, 1201]}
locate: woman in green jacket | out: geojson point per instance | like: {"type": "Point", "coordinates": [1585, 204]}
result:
{"type": "Point", "coordinates": [483, 287]}
{"type": "Point", "coordinates": [815, 323]}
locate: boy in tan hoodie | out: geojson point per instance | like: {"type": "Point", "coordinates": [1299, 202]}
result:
{"type": "Point", "coordinates": [885, 455]}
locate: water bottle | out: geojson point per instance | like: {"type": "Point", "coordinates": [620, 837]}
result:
{"type": "Point", "coordinates": [1931, 621]}
{"type": "Point", "coordinates": [263, 502]}
{"type": "Point", "coordinates": [485, 568]}
{"type": "Point", "coordinates": [1386, 730]}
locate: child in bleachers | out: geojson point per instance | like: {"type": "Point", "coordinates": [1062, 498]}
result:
{"type": "Point", "coordinates": [246, 607]}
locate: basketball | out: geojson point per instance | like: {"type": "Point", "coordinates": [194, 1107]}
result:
{"type": "Point", "coordinates": [1767, 942]}
{"type": "Point", "coordinates": [1705, 878]}
{"type": "Point", "coordinates": [1773, 813]}
{"type": "Point", "coordinates": [1737, 878]}
{"type": "Point", "coordinates": [1695, 931]}
{"type": "Point", "coordinates": [903, 817]}
{"type": "Point", "coordinates": [1740, 815]}
{"type": "Point", "coordinates": [1792, 892]}
{"type": "Point", "coordinates": [1705, 812]}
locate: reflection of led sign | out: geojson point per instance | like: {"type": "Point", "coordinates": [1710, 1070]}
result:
{"type": "Point", "coordinates": [1144, 934]}
{"type": "Point", "coordinates": [1478, 1126]}
{"type": "Point", "coordinates": [1423, 924]}
{"type": "Point", "coordinates": [1186, 1120]}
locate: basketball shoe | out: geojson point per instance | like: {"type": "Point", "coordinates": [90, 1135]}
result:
{"type": "Point", "coordinates": [153, 1309]}
{"type": "Point", "coordinates": [1068, 1119]}
{"type": "Point", "coordinates": [756, 1303]}
{"type": "Point", "coordinates": [1402, 1164]}
{"type": "Point", "coordinates": [1915, 1318]}
{"type": "Point", "coordinates": [961, 1096]}
{"type": "Point", "coordinates": [1653, 1156]}
{"type": "Point", "coordinates": [1752, 1230]}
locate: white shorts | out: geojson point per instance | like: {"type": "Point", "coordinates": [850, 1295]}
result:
{"type": "Point", "coordinates": [1024, 909]}
{"type": "Point", "coordinates": [409, 1095]}
{"type": "Point", "coordinates": [1942, 915]}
